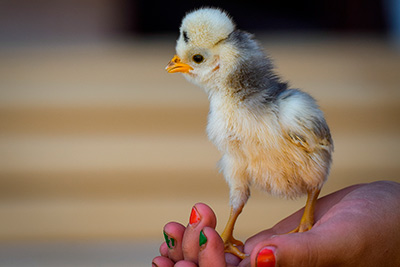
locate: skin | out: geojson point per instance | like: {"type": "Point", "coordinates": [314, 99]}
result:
{"type": "Point", "coordinates": [355, 226]}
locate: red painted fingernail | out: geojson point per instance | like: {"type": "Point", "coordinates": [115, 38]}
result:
{"type": "Point", "coordinates": [266, 257]}
{"type": "Point", "coordinates": [194, 216]}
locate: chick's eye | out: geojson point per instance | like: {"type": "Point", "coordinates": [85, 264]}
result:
{"type": "Point", "coordinates": [198, 58]}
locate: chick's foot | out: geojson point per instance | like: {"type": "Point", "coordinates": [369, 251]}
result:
{"type": "Point", "coordinates": [303, 227]}
{"type": "Point", "coordinates": [231, 246]}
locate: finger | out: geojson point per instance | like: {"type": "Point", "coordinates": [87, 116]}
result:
{"type": "Point", "coordinates": [173, 234]}
{"type": "Point", "coordinates": [164, 249]}
{"type": "Point", "coordinates": [321, 246]}
{"type": "Point", "coordinates": [185, 264]}
{"type": "Point", "coordinates": [244, 263]}
{"type": "Point", "coordinates": [231, 259]}
{"type": "Point", "coordinates": [201, 216]}
{"type": "Point", "coordinates": [162, 262]}
{"type": "Point", "coordinates": [211, 248]}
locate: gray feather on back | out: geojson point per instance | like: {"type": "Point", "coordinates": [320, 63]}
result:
{"type": "Point", "coordinates": [254, 76]}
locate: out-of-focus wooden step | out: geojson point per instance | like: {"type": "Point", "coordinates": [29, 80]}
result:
{"type": "Point", "coordinates": [99, 142]}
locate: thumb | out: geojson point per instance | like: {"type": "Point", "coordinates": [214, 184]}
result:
{"type": "Point", "coordinates": [299, 249]}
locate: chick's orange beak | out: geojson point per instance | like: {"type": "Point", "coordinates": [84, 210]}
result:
{"type": "Point", "coordinates": [175, 65]}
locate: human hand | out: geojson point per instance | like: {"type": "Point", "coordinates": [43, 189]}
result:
{"type": "Point", "coordinates": [356, 226]}
{"type": "Point", "coordinates": [186, 247]}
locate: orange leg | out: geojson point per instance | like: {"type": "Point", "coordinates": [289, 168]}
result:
{"type": "Point", "coordinates": [227, 235]}
{"type": "Point", "coordinates": [307, 220]}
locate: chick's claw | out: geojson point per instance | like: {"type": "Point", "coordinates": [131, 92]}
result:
{"type": "Point", "coordinates": [231, 246]}
{"type": "Point", "coordinates": [303, 227]}
{"type": "Point", "coordinates": [233, 241]}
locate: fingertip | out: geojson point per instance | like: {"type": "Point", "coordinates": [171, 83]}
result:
{"type": "Point", "coordinates": [211, 248]}
{"type": "Point", "coordinates": [164, 250]}
{"type": "Point", "coordinates": [207, 215]}
{"type": "Point", "coordinates": [174, 228]}
{"type": "Point", "coordinates": [185, 264]}
{"type": "Point", "coordinates": [264, 254]}
{"type": "Point", "coordinates": [266, 257]}
{"type": "Point", "coordinates": [162, 262]}
{"type": "Point", "coordinates": [213, 239]}
{"type": "Point", "coordinates": [173, 234]}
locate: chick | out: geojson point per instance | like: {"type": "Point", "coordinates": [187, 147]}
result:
{"type": "Point", "coordinates": [270, 136]}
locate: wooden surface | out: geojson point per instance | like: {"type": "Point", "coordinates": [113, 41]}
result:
{"type": "Point", "coordinates": [98, 142]}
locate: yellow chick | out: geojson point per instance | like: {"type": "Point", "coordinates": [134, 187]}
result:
{"type": "Point", "coordinates": [270, 136]}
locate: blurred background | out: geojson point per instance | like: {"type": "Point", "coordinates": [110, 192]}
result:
{"type": "Point", "coordinates": [100, 147]}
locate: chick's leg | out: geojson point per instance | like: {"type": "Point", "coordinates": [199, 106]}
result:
{"type": "Point", "coordinates": [307, 220]}
{"type": "Point", "coordinates": [235, 173]}
{"type": "Point", "coordinates": [239, 194]}
{"type": "Point", "coordinates": [227, 235]}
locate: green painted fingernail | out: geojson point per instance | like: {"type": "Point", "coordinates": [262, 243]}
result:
{"type": "Point", "coordinates": [166, 239]}
{"type": "Point", "coordinates": [202, 239]}
{"type": "Point", "coordinates": [169, 240]}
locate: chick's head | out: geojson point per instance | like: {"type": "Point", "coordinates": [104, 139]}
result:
{"type": "Point", "coordinates": [202, 53]}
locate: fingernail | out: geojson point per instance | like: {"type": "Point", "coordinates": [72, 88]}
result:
{"type": "Point", "coordinates": [194, 216]}
{"type": "Point", "coordinates": [153, 264]}
{"type": "Point", "coordinates": [202, 239]}
{"type": "Point", "coordinates": [169, 240]}
{"type": "Point", "coordinates": [266, 257]}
